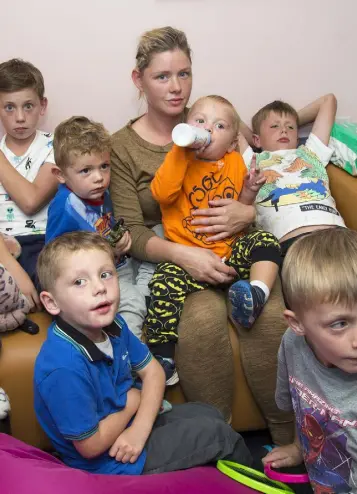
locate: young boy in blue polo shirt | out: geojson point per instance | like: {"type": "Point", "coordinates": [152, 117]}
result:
{"type": "Point", "coordinates": [85, 399]}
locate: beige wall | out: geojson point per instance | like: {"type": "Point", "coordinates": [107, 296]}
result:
{"type": "Point", "coordinates": [250, 51]}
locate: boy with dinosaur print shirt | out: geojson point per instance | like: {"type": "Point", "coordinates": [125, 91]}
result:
{"type": "Point", "coordinates": [296, 198]}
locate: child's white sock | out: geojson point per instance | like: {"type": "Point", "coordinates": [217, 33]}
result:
{"type": "Point", "coordinates": [263, 286]}
{"type": "Point", "coordinates": [4, 404]}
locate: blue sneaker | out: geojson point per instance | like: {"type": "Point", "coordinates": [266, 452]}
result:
{"type": "Point", "coordinates": [169, 368]}
{"type": "Point", "coordinates": [247, 302]}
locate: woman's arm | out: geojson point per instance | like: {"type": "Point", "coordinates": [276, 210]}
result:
{"type": "Point", "coordinates": [224, 218]}
{"type": "Point", "coordinates": [29, 196]}
{"type": "Point", "coordinates": [125, 199]}
{"type": "Point", "coordinates": [245, 137]}
{"type": "Point", "coordinates": [201, 264]}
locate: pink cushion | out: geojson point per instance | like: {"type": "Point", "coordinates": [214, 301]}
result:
{"type": "Point", "coordinates": [28, 470]}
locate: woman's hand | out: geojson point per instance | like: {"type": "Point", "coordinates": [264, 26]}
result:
{"type": "Point", "coordinates": [123, 246]}
{"type": "Point", "coordinates": [204, 265]}
{"type": "Point", "coordinates": [224, 218]}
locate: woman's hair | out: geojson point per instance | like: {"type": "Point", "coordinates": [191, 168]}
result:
{"type": "Point", "coordinates": [158, 41]}
{"type": "Point", "coordinates": [78, 136]}
{"type": "Point", "coordinates": [321, 267]}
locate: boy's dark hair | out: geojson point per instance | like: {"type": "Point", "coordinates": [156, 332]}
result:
{"type": "Point", "coordinates": [16, 74]}
{"type": "Point", "coordinates": [279, 107]}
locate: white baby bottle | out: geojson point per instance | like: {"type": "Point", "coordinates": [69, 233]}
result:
{"type": "Point", "coordinates": [188, 136]}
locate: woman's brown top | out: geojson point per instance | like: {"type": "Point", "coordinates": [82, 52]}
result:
{"type": "Point", "coordinates": [134, 162]}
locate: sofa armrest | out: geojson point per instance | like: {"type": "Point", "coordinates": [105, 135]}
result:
{"type": "Point", "coordinates": [344, 190]}
{"type": "Point", "coordinates": [18, 355]}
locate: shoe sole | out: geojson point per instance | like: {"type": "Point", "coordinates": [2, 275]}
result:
{"type": "Point", "coordinates": [240, 296]}
{"type": "Point", "coordinates": [174, 379]}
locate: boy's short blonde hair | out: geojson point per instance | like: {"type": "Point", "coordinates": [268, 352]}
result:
{"type": "Point", "coordinates": [321, 267]}
{"type": "Point", "coordinates": [222, 101]}
{"type": "Point", "coordinates": [77, 136]}
{"type": "Point", "coordinates": [49, 265]}
{"type": "Point", "coordinates": [16, 75]}
{"type": "Point", "coordinates": [279, 107]}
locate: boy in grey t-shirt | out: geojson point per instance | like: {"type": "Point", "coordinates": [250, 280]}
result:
{"type": "Point", "coordinates": [317, 361]}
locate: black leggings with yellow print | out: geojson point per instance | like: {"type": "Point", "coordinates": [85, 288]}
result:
{"type": "Point", "coordinates": [170, 285]}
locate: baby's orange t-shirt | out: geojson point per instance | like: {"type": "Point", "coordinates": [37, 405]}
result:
{"type": "Point", "coordinates": [184, 183]}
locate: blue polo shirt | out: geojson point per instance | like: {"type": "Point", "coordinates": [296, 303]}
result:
{"type": "Point", "coordinates": [76, 386]}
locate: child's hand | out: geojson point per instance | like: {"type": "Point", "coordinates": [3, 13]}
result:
{"type": "Point", "coordinates": [123, 246]}
{"type": "Point", "coordinates": [128, 446]}
{"type": "Point", "coordinates": [201, 150]}
{"type": "Point", "coordinates": [284, 456]}
{"type": "Point", "coordinates": [255, 178]}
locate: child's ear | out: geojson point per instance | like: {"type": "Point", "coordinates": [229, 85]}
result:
{"type": "Point", "coordinates": [234, 145]}
{"type": "Point", "coordinates": [49, 303]}
{"type": "Point", "coordinates": [57, 172]}
{"type": "Point", "coordinates": [136, 78]}
{"type": "Point", "coordinates": [294, 322]}
{"type": "Point", "coordinates": [44, 103]}
{"type": "Point", "coordinates": [256, 140]}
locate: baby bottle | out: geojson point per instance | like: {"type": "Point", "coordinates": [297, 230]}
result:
{"type": "Point", "coordinates": [188, 136]}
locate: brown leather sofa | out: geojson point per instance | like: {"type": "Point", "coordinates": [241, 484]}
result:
{"type": "Point", "coordinates": [20, 350]}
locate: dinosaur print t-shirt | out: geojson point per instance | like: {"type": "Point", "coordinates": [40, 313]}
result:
{"type": "Point", "coordinates": [296, 193]}
{"type": "Point", "coordinates": [12, 220]}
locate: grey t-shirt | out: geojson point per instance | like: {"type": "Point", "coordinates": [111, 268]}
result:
{"type": "Point", "coordinates": [324, 400]}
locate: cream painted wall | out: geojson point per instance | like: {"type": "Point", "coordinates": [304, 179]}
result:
{"type": "Point", "coordinates": [250, 51]}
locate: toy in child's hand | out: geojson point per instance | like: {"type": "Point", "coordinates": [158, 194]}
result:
{"type": "Point", "coordinates": [252, 478]}
{"type": "Point", "coordinates": [29, 327]}
{"type": "Point", "coordinates": [290, 478]}
{"type": "Point", "coordinates": [117, 232]}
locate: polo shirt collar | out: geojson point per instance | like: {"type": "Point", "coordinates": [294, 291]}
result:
{"type": "Point", "coordinates": [84, 344]}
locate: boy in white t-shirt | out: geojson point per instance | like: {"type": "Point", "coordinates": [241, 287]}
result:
{"type": "Point", "coordinates": [296, 197]}
{"type": "Point", "coordinates": [26, 160]}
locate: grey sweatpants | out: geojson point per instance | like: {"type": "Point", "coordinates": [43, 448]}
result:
{"type": "Point", "coordinates": [134, 278]}
{"type": "Point", "coordinates": [132, 305]}
{"type": "Point", "coordinates": [190, 435]}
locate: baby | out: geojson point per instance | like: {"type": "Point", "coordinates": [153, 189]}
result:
{"type": "Point", "coordinates": [186, 181]}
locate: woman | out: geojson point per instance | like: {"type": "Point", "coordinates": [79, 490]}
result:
{"type": "Point", "coordinates": [163, 75]}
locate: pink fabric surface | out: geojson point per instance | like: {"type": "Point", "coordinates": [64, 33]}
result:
{"type": "Point", "coordinates": [28, 470]}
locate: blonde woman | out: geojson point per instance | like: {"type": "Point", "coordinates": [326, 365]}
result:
{"type": "Point", "coordinates": [163, 75]}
